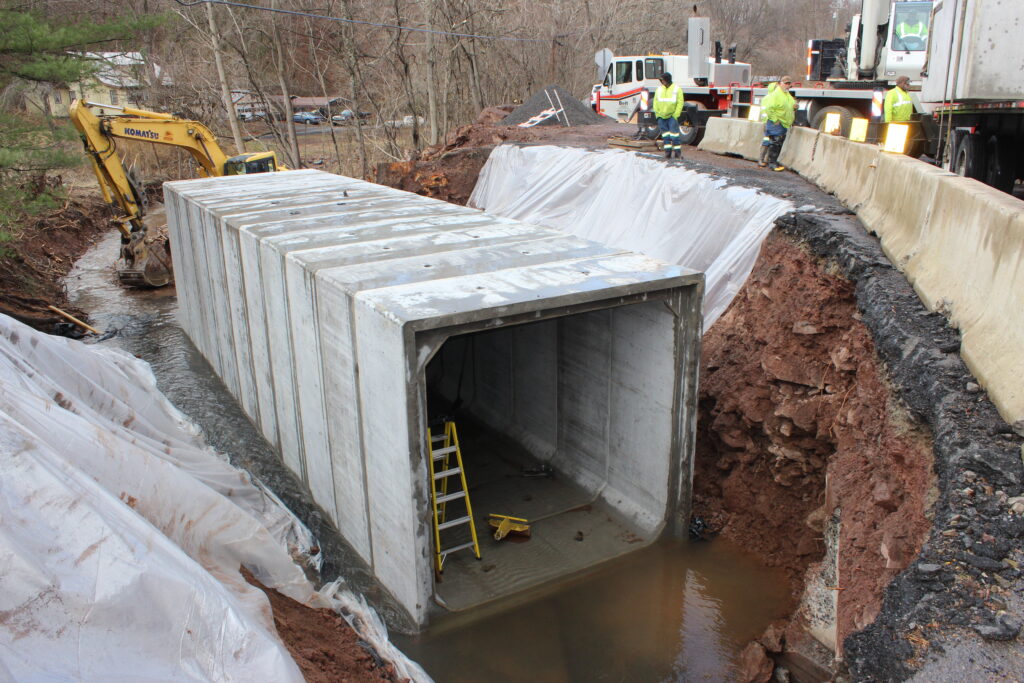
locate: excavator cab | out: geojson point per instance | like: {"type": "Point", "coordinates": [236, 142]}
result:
{"type": "Point", "coordinates": [253, 162]}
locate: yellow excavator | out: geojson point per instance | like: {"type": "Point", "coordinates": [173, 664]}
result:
{"type": "Point", "coordinates": [146, 264]}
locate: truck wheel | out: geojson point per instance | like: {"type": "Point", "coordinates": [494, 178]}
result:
{"type": "Point", "coordinates": [690, 134]}
{"type": "Point", "coordinates": [949, 149]}
{"type": "Point", "coordinates": [845, 117]}
{"type": "Point", "coordinates": [1001, 168]}
{"type": "Point", "coordinates": [970, 157]}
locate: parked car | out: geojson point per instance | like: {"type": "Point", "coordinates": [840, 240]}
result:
{"type": "Point", "coordinates": [309, 117]}
{"type": "Point", "coordinates": [344, 117]}
{"type": "Point", "coordinates": [348, 116]}
{"type": "Point", "coordinates": [406, 121]}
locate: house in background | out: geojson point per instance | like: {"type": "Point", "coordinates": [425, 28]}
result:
{"type": "Point", "coordinates": [120, 79]}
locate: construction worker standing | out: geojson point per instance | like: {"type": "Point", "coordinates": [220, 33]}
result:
{"type": "Point", "coordinates": [668, 105]}
{"type": "Point", "coordinates": [779, 109]}
{"type": "Point", "coordinates": [898, 105]}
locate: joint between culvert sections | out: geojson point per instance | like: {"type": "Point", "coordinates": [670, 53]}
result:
{"type": "Point", "coordinates": [361, 446]}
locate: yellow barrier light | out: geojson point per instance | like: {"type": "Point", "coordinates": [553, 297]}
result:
{"type": "Point", "coordinates": [859, 130]}
{"type": "Point", "coordinates": [833, 123]}
{"type": "Point", "coordinates": [896, 138]}
{"type": "Point", "coordinates": [755, 113]}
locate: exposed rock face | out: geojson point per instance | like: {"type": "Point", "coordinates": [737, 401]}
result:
{"type": "Point", "coordinates": [797, 422]}
{"type": "Point", "coordinates": [753, 665]}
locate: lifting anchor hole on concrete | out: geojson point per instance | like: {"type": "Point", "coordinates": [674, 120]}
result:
{"type": "Point", "coordinates": [548, 349]}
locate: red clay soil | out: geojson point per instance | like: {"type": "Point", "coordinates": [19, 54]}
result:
{"type": "Point", "coordinates": [43, 249]}
{"type": "Point", "coordinates": [792, 395]}
{"type": "Point", "coordinates": [449, 171]}
{"type": "Point", "coordinates": [324, 646]}
{"type": "Point", "coordinates": [450, 179]}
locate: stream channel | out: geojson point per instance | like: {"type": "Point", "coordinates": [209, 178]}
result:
{"type": "Point", "coordinates": [676, 610]}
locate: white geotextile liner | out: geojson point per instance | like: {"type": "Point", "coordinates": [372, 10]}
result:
{"type": "Point", "coordinates": [121, 532]}
{"type": "Point", "coordinates": [624, 200]}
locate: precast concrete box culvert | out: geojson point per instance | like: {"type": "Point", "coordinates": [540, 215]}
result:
{"type": "Point", "coordinates": [347, 318]}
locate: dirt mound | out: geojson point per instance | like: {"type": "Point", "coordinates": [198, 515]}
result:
{"type": "Point", "coordinates": [492, 115]}
{"type": "Point", "coordinates": [451, 179]}
{"type": "Point", "coordinates": [41, 252]}
{"type": "Point", "coordinates": [322, 643]}
{"type": "Point", "coordinates": [577, 113]}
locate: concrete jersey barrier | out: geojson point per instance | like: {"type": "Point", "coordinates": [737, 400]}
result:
{"type": "Point", "coordinates": [959, 242]}
{"type": "Point", "coordinates": [969, 265]}
{"type": "Point", "coordinates": [733, 136]}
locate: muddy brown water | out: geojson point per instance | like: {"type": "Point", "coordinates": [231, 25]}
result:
{"type": "Point", "coordinates": [675, 610]}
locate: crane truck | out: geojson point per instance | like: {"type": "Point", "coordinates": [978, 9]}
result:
{"type": "Point", "coordinates": [965, 68]}
{"type": "Point", "coordinates": [146, 264]}
{"type": "Point", "coordinates": [966, 71]}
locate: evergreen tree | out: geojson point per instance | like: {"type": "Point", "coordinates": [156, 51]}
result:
{"type": "Point", "coordinates": [35, 49]}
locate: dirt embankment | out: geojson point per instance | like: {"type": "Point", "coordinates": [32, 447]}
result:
{"type": "Point", "coordinates": [41, 252]}
{"type": "Point", "coordinates": [324, 646]}
{"type": "Point", "coordinates": [449, 171]}
{"type": "Point", "coordinates": [797, 422]}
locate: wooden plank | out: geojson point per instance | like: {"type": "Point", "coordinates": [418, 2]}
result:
{"type": "Point", "coordinates": [630, 143]}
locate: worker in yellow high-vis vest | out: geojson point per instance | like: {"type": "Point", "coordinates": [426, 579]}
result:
{"type": "Point", "coordinates": [778, 108]}
{"type": "Point", "coordinates": [668, 106]}
{"type": "Point", "coordinates": [898, 106]}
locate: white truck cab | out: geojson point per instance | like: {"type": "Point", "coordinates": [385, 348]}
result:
{"type": "Point", "coordinates": [889, 40]}
{"type": "Point", "coordinates": [627, 76]}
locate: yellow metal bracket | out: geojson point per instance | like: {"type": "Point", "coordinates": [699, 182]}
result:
{"type": "Point", "coordinates": [505, 524]}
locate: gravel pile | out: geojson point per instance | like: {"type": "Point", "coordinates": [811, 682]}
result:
{"type": "Point", "coordinates": [578, 114]}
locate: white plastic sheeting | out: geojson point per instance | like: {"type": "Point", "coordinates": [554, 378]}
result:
{"type": "Point", "coordinates": [625, 200]}
{"type": "Point", "coordinates": [121, 532]}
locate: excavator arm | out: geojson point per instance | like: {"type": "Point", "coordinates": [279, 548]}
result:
{"type": "Point", "coordinates": [100, 135]}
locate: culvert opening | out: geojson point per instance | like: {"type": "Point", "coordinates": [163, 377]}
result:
{"type": "Point", "coordinates": [572, 423]}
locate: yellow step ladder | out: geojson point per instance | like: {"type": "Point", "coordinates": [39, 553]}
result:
{"type": "Point", "coordinates": [442, 448]}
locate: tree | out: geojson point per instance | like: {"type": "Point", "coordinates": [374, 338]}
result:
{"type": "Point", "coordinates": [36, 50]}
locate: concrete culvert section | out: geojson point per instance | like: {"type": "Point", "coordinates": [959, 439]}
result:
{"type": "Point", "coordinates": [335, 310]}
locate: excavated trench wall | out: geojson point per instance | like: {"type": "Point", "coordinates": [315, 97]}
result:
{"type": "Point", "coordinates": [321, 300]}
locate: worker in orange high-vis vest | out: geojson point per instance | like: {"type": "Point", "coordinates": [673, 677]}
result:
{"type": "Point", "coordinates": [668, 106]}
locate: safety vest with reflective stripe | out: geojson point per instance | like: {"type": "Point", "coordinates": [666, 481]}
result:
{"type": "Point", "coordinates": [918, 30]}
{"type": "Point", "coordinates": [778, 106]}
{"type": "Point", "coordinates": [668, 102]}
{"type": "Point", "coordinates": [898, 106]}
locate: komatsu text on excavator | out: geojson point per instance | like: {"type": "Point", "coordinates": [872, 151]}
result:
{"type": "Point", "coordinates": [146, 265]}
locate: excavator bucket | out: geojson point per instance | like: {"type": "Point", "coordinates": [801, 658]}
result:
{"type": "Point", "coordinates": [146, 260]}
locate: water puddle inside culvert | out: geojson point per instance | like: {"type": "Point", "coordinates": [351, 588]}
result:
{"type": "Point", "coordinates": [671, 611]}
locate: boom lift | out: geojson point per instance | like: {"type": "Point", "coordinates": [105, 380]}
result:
{"type": "Point", "coordinates": [145, 266]}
